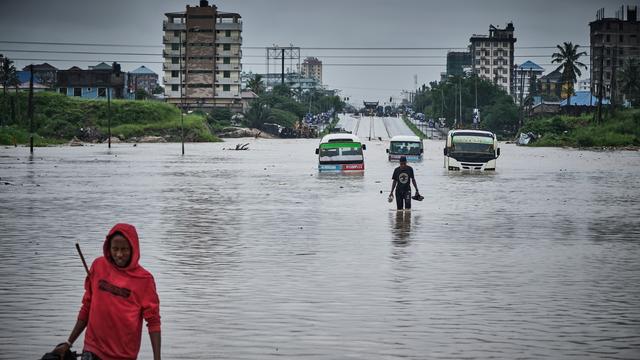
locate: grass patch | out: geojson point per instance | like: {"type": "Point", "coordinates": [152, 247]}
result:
{"type": "Point", "coordinates": [59, 118]}
{"type": "Point", "coordinates": [413, 127]}
{"type": "Point", "coordinates": [619, 130]}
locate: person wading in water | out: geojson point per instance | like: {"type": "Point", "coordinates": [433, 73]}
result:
{"type": "Point", "coordinates": [401, 176]}
{"type": "Point", "coordinates": [119, 293]}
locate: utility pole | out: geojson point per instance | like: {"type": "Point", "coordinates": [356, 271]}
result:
{"type": "Point", "coordinates": [460, 90]}
{"type": "Point", "coordinates": [614, 84]}
{"type": "Point", "coordinates": [282, 70]}
{"type": "Point", "coordinates": [30, 110]}
{"type": "Point", "coordinates": [181, 94]}
{"type": "Point", "coordinates": [600, 85]}
{"type": "Point", "coordinates": [109, 111]}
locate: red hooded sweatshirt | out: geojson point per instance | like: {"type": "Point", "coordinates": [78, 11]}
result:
{"type": "Point", "coordinates": [115, 301]}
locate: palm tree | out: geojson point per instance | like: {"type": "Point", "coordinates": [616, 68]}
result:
{"type": "Point", "coordinates": [258, 114]}
{"type": "Point", "coordinates": [8, 77]}
{"type": "Point", "coordinates": [629, 78]}
{"type": "Point", "coordinates": [255, 84]}
{"type": "Point", "coordinates": [569, 65]}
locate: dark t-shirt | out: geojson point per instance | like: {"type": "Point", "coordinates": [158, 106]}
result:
{"type": "Point", "coordinates": [403, 177]}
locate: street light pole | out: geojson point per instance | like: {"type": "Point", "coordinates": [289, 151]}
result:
{"type": "Point", "coordinates": [181, 94]}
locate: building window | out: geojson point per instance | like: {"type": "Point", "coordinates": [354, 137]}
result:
{"type": "Point", "coordinates": [504, 80]}
{"type": "Point", "coordinates": [77, 91]}
{"type": "Point", "coordinates": [226, 87]}
{"type": "Point", "coordinates": [504, 71]}
{"type": "Point", "coordinates": [608, 37]}
{"type": "Point", "coordinates": [174, 88]}
{"type": "Point", "coordinates": [175, 60]}
{"type": "Point", "coordinates": [175, 73]}
{"type": "Point", "coordinates": [176, 33]}
{"type": "Point", "coordinates": [226, 47]}
{"type": "Point", "coordinates": [226, 60]}
{"type": "Point", "coordinates": [102, 92]}
{"type": "Point", "coordinates": [175, 46]}
{"type": "Point", "coordinates": [227, 33]}
{"type": "Point", "coordinates": [621, 39]}
{"type": "Point", "coordinates": [227, 74]}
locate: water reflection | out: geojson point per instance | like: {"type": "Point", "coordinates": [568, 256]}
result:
{"type": "Point", "coordinates": [401, 228]}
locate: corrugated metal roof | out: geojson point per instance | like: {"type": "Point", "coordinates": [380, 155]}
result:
{"type": "Point", "coordinates": [530, 65]}
{"type": "Point", "coordinates": [584, 98]}
{"type": "Point", "coordinates": [143, 70]}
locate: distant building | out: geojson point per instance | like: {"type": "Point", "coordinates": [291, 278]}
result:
{"type": "Point", "coordinates": [613, 41]}
{"type": "Point", "coordinates": [91, 84]}
{"type": "Point", "coordinates": [492, 56]}
{"type": "Point", "coordinates": [205, 45]}
{"type": "Point", "coordinates": [583, 85]}
{"type": "Point", "coordinates": [551, 85]}
{"type": "Point", "coordinates": [43, 74]}
{"type": "Point", "coordinates": [525, 74]}
{"type": "Point", "coordinates": [295, 81]}
{"type": "Point", "coordinates": [142, 78]}
{"type": "Point", "coordinates": [102, 66]}
{"type": "Point", "coordinates": [457, 61]}
{"type": "Point", "coordinates": [312, 68]}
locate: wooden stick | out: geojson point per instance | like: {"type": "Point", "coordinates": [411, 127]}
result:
{"type": "Point", "coordinates": [82, 258]}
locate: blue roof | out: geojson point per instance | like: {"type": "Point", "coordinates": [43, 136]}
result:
{"type": "Point", "coordinates": [584, 98]}
{"type": "Point", "coordinates": [530, 65]}
{"type": "Point", "coordinates": [142, 70]}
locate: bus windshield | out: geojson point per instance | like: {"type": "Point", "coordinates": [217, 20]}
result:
{"type": "Point", "coordinates": [341, 153]}
{"type": "Point", "coordinates": [405, 148]}
{"type": "Point", "coordinates": [472, 144]}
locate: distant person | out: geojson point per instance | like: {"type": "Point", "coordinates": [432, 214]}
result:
{"type": "Point", "coordinates": [119, 293]}
{"type": "Point", "coordinates": [401, 176]}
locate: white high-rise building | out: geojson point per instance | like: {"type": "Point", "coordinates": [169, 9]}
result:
{"type": "Point", "coordinates": [492, 56]}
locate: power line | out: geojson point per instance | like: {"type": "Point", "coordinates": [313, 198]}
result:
{"type": "Point", "coordinates": [251, 64]}
{"type": "Point", "coordinates": [264, 47]}
{"type": "Point", "coordinates": [253, 56]}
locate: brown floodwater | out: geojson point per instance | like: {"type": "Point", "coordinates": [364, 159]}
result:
{"type": "Point", "coordinates": [258, 256]}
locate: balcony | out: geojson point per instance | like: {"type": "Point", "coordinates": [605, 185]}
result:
{"type": "Point", "coordinates": [227, 95]}
{"type": "Point", "coordinates": [171, 80]}
{"type": "Point", "coordinates": [170, 40]}
{"type": "Point", "coordinates": [228, 67]}
{"type": "Point", "coordinates": [227, 81]}
{"type": "Point", "coordinates": [170, 67]}
{"type": "Point", "coordinates": [168, 26]}
{"type": "Point", "coordinates": [229, 53]}
{"type": "Point", "coordinates": [229, 26]}
{"type": "Point", "coordinates": [171, 53]}
{"type": "Point", "coordinates": [229, 40]}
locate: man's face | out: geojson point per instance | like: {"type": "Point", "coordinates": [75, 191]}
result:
{"type": "Point", "coordinates": [120, 250]}
{"type": "Point", "coordinates": [403, 164]}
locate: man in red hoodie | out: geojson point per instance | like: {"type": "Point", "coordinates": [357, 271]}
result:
{"type": "Point", "coordinates": [118, 294]}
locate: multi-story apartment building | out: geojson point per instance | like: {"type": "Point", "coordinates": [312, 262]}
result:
{"type": "Point", "coordinates": [613, 41]}
{"type": "Point", "coordinates": [312, 68]}
{"type": "Point", "coordinates": [492, 56]}
{"type": "Point", "coordinates": [526, 74]}
{"type": "Point", "coordinates": [202, 57]}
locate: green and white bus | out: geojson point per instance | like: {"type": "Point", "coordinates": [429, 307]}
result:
{"type": "Point", "coordinates": [340, 152]}
{"type": "Point", "coordinates": [474, 150]}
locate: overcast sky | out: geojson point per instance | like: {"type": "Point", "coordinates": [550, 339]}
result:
{"type": "Point", "coordinates": [307, 24]}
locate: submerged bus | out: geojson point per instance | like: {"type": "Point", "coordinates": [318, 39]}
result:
{"type": "Point", "coordinates": [340, 152]}
{"type": "Point", "coordinates": [405, 145]}
{"type": "Point", "coordinates": [471, 150]}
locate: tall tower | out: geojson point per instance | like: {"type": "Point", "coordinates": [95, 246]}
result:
{"type": "Point", "coordinates": [492, 56]}
{"type": "Point", "coordinates": [202, 57]}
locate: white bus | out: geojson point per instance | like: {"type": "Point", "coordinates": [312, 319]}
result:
{"type": "Point", "coordinates": [405, 145]}
{"type": "Point", "coordinates": [471, 150]}
{"type": "Point", "coordinates": [340, 152]}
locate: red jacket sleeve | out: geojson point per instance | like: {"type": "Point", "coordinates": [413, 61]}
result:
{"type": "Point", "coordinates": [151, 307]}
{"type": "Point", "coordinates": [86, 299]}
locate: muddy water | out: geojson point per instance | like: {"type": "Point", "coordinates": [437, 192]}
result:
{"type": "Point", "coordinates": [257, 256]}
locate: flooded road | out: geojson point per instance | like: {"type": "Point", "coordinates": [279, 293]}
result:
{"type": "Point", "coordinates": [256, 256]}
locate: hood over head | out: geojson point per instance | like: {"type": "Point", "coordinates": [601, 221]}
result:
{"type": "Point", "coordinates": [130, 233]}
